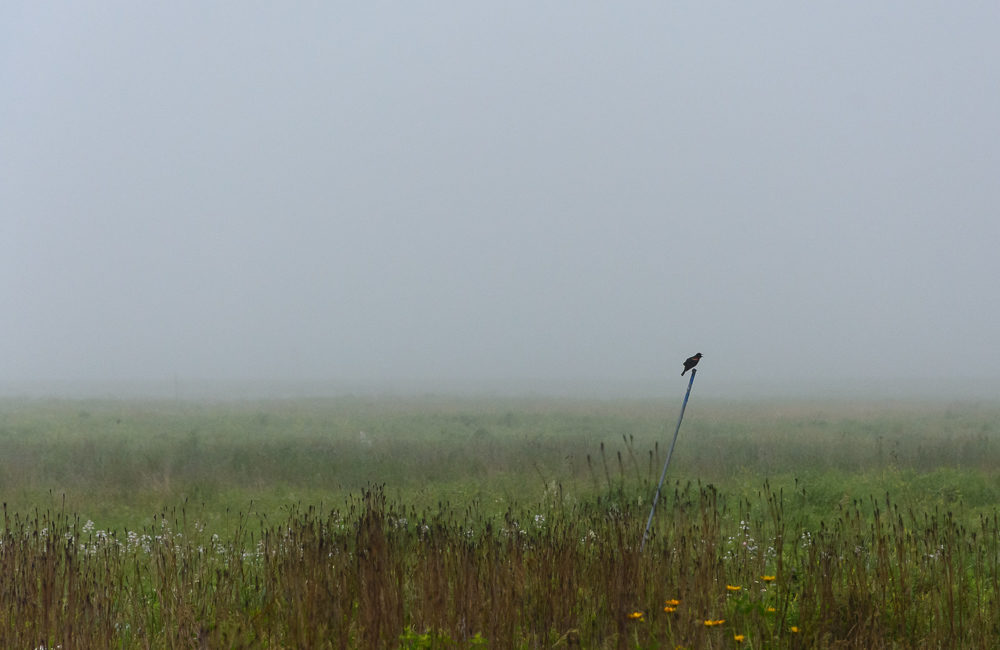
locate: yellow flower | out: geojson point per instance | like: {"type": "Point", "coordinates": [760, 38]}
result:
{"type": "Point", "coordinates": [795, 629]}
{"type": "Point", "coordinates": [733, 587]}
{"type": "Point", "coordinates": [768, 578]}
{"type": "Point", "coordinates": [713, 623]}
{"type": "Point", "coordinates": [670, 610]}
{"type": "Point", "coordinates": [738, 638]}
{"type": "Point", "coordinates": [635, 616]}
{"type": "Point", "coordinates": [673, 602]}
{"type": "Point", "coordinates": [771, 610]}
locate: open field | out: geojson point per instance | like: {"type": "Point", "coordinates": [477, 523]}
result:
{"type": "Point", "coordinates": [434, 522]}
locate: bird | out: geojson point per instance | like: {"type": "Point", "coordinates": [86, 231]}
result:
{"type": "Point", "coordinates": [691, 362]}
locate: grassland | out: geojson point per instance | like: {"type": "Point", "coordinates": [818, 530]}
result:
{"type": "Point", "coordinates": [435, 522]}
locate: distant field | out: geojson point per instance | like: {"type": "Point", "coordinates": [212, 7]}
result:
{"type": "Point", "coordinates": [118, 463]}
{"type": "Point", "coordinates": [878, 522]}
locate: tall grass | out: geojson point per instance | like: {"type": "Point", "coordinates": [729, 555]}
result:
{"type": "Point", "coordinates": [376, 573]}
{"type": "Point", "coordinates": [458, 524]}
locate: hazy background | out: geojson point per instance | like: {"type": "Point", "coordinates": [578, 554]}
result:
{"type": "Point", "coordinates": [518, 196]}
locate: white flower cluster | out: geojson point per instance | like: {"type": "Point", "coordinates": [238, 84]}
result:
{"type": "Point", "coordinates": [742, 542]}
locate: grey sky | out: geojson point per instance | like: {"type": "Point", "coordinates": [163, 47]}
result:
{"type": "Point", "coordinates": [466, 191]}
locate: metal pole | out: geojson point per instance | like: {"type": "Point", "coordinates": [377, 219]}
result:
{"type": "Point", "coordinates": [670, 452]}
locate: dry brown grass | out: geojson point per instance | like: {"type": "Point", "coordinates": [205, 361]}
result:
{"type": "Point", "coordinates": [375, 574]}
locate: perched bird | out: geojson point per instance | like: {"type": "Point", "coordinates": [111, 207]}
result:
{"type": "Point", "coordinates": [691, 362]}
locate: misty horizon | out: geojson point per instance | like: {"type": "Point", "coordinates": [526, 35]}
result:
{"type": "Point", "coordinates": [659, 389]}
{"type": "Point", "coordinates": [516, 198]}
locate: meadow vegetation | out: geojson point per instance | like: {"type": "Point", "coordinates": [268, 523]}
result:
{"type": "Point", "coordinates": [436, 522]}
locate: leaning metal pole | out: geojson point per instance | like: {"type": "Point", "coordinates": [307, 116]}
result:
{"type": "Point", "coordinates": [663, 475]}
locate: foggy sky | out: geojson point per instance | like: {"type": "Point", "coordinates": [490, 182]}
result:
{"type": "Point", "coordinates": [455, 193]}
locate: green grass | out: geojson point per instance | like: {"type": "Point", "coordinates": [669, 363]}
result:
{"type": "Point", "coordinates": [117, 463]}
{"type": "Point", "coordinates": [278, 524]}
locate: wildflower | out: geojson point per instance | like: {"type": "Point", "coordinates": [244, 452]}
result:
{"type": "Point", "coordinates": [733, 588]}
{"type": "Point", "coordinates": [713, 623]}
{"type": "Point", "coordinates": [795, 629]}
{"type": "Point", "coordinates": [636, 616]}
{"type": "Point", "coordinates": [739, 638]}
{"type": "Point", "coordinates": [670, 610]}
{"type": "Point", "coordinates": [768, 578]}
{"type": "Point", "coordinates": [673, 602]}
{"type": "Point", "coordinates": [771, 610]}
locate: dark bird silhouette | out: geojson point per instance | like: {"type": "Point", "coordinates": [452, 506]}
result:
{"type": "Point", "coordinates": [691, 362]}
